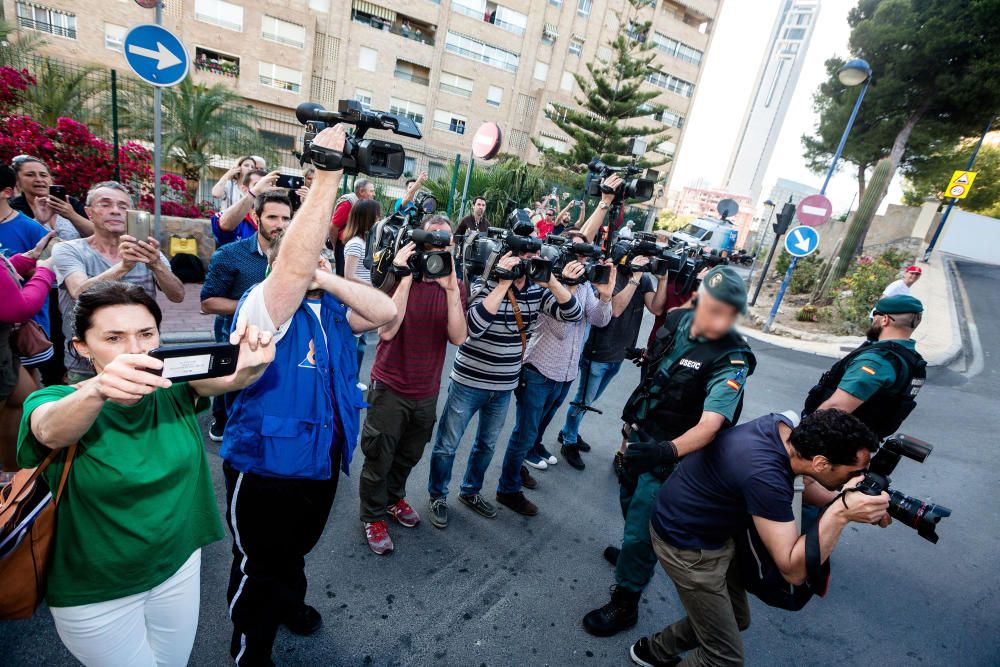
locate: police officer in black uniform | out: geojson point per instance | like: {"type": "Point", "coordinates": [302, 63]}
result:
{"type": "Point", "coordinates": [692, 387]}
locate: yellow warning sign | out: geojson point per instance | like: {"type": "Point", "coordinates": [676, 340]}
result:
{"type": "Point", "coordinates": [960, 184]}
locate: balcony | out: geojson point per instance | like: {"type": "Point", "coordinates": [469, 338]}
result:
{"type": "Point", "coordinates": [387, 20]}
{"type": "Point", "coordinates": [217, 63]}
{"type": "Point", "coordinates": [458, 127]}
{"type": "Point", "coordinates": [44, 26]}
{"type": "Point", "coordinates": [408, 71]}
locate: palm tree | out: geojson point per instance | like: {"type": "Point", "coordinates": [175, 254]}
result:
{"type": "Point", "coordinates": [14, 52]}
{"type": "Point", "coordinates": [76, 92]}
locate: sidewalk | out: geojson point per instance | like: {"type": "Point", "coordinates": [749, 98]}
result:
{"type": "Point", "coordinates": [938, 337]}
{"type": "Point", "coordinates": [184, 322]}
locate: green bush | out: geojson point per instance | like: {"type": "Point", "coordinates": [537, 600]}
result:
{"type": "Point", "coordinates": [806, 275]}
{"type": "Point", "coordinates": [863, 285]}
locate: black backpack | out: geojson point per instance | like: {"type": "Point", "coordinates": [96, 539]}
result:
{"type": "Point", "coordinates": [188, 268]}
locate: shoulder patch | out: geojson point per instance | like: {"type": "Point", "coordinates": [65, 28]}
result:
{"type": "Point", "coordinates": [737, 362]}
{"type": "Point", "coordinates": [733, 384]}
{"type": "Point", "coordinates": [868, 369]}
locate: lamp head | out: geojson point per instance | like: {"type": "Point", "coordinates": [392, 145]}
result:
{"type": "Point", "coordinates": [854, 72]}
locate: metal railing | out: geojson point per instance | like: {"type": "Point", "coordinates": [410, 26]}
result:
{"type": "Point", "coordinates": [449, 127]}
{"type": "Point", "coordinates": [43, 26]}
{"type": "Point", "coordinates": [410, 76]}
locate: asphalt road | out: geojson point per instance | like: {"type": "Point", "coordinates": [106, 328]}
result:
{"type": "Point", "coordinates": [512, 591]}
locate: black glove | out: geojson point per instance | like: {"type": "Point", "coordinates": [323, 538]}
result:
{"type": "Point", "coordinates": [644, 455]}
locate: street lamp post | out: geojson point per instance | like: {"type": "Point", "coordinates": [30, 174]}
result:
{"type": "Point", "coordinates": [760, 240]}
{"type": "Point", "coordinates": [852, 73]}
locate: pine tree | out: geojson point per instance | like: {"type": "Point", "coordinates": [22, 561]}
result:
{"type": "Point", "coordinates": [612, 99]}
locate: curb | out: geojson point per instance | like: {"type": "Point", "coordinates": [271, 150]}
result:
{"type": "Point", "coordinates": [957, 323]}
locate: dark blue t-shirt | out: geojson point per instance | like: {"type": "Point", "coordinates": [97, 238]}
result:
{"type": "Point", "coordinates": [244, 230]}
{"type": "Point", "coordinates": [21, 234]}
{"type": "Point", "coordinates": [744, 471]}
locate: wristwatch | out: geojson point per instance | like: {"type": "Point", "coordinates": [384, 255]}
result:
{"type": "Point", "coordinates": [635, 282]}
{"type": "Point", "coordinates": [603, 205]}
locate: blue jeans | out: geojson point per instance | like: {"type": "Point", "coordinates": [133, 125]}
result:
{"type": "Point", "coordinates": [538, 398]}
{"type": "Point", "coordinates": [462, 404]}
{"type": "Point", "coordinates": [362, 343]}
{"type": "Point", "coordinates": [594, 379]}
{"type": "Point", "coordinates": [221, 328]}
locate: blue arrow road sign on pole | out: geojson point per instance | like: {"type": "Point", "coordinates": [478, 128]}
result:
{"type": "Point", "coordinates": [801, 241]}
{"type": "Point", "coordinates": [156, 55]}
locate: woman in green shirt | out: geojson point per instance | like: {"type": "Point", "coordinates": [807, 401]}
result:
{"type": "Point", "coordinates": [123, 581]}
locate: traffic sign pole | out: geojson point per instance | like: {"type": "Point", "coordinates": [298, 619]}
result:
{"type": "Point", "coordinates": [800, 242]}
{"type": "Point", "coordinates": [157, 141]}
{"type": "Point", "coordinates": [781, 294]}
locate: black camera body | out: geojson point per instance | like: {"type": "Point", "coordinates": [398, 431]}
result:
{"type": "Point", "coordinates": [638, 244]}
{"type": "Point", "coordinates": [913, 512]}
{"type": "Point", "coordinates": [393, 232]}
{"type": "Point", "coordinates": [382, 159]}
{"type": "Point", "coordinates": [560, 251]}
{"type": "Point", "coordinates": [482, 251]}
{"type": "Point", "coordinates": [636, 189]}
{"type": "Point", "coordinates": [685, 262]}
{"type": "Point", "coordinates": [430, 260]}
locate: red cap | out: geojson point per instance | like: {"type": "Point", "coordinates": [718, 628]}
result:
{"type": "Point", "coordinates": [914, 269]}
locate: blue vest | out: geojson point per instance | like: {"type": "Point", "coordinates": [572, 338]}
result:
{"type": "Point", "coordinates": [283, 424]}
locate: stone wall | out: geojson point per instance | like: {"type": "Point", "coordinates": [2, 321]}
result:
{"type": "Point", "coordinates": [198, 229]}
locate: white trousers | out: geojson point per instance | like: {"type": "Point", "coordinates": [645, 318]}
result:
{"type": "Point", "coordinates": [151, 629]}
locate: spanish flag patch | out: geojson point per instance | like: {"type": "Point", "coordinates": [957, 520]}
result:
{"type": "Point", "coordinates": [733, 384]}
{"type": "Point", "coordinates": [737, 362]}
{"type": "Point", "coordinates": [868, 369]}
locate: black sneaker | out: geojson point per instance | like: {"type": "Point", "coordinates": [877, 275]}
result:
{"type": "Point", "coordinates": [618, 465]}
{"type": "Point", "coordinates": [572, 456]}
{"type": "Point", "coordinates": [215, 431]}
{"type": "Point", "coordinates": [527, 481]}
{"type": "Point", "coordinates": [642, 654]}
{"type": "Point", "coordinates": [305, 621]}
{"type": "Point", "coordinates": [480, 505]}
{"type": "Point", "coordinates": [581, 444]}
{"type": "Point", "coordinates": [611, 555]}
{"type": "Point", "coordinates": [518, 503]}
{"type": "Point", "coordinates": [439, 512]}
{"type": "Point", "coordinates": [619, 614]}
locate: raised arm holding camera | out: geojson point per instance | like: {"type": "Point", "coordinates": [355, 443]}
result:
{"type": "Point", "coordinates": [291, 433]}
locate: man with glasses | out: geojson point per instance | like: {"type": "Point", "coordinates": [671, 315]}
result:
{"type": "Point", "coordinates": [109, 254]}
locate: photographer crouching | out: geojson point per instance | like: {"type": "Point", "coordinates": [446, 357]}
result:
{"type": "Point", "coordinates": [749, 470]}
{"type": "Point", "coordinates": [692, 387]}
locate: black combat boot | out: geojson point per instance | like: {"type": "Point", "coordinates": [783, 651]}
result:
{"type": "Point", "coordinates": [619, 614]}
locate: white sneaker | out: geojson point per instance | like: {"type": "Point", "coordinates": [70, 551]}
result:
{"type": "Point", "coordinates": [362, 386]}
{"type": "Point", "coordinates": [537, 464]}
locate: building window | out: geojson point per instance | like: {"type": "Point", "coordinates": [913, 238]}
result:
{"type": "Point", "coordinates": [363, 96]}
{"type": "Point", "coordinates": [567, 81]}
{"type": "Point", "coordinates": [549, 34]}
{"type": "Point", "coordinates": [450, 122]}
{"type": "Point", "coordinates": [367, 59]}
{"type": "Point", "coordinates": [409, 166]}
{"type": "Point", "coordinates": [492, 13]}
{"type": "Point", "coordinates": [43, 19]}
{"type": "Point", "coordinates": [436, 171]}
{"type": "Point", "coordinates": [282, 78]}
{"type": "Point", "coordinates": [222, 64]}
{"type": "Point", "coordinates": [495, 96]}
{"type": "Point", "coordinates": [320, 5]}
{"type": "Point", "coordinates": [677, 49]}
{"type": "Point", "coordinates": [790, 48]}
{"type": "Point", "coordinates": [555, 3]}
{"type": "Point", "coordinates": [667, 148]}
{"type": "Point", "coordinates": [671, 83]}
{"type": "Point", "coordinates": [484, 53]}
{"type": "Point", "coordinates": [795, 33]}
{"type": "Point", "coordinates": [583, 7]}
{"type": "Point", "coordinates": [220, 13]}
{"type": "Point", "coordinates": [411, 110]}
{"type": "Point", "coordinates": [575, 46]}
{"type": "Point", "coordinates": [541, 71]}
{"type": "Point", "coordinates": [552, 143]}
{"type": "Point", "coordinates": [114, 36]}
{"type": "Point", "coordinates": [277, 139]}
{"type": "Point", "coordinates": [412, 72]}
{"type": "Point", "coordinates": [284, 32]}
{"type": "Point", "coordinates": [455, 84]}
{"type": "Point", "coordinates": [672, 119]}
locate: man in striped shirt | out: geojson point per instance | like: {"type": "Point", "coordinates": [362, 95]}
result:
{"type": "Point", "coordinates": [487, 369]}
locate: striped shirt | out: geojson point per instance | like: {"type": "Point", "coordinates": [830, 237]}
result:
{"type": "Point", "coordinates": [491, 357]}
{"type": "Point", "coordinates": [555, 347]}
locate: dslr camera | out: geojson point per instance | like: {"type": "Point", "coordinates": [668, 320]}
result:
{"type": "Point", "coordinates": [484, 250]}
{"type": "Point", "coordinates": [559, 251]}
{"type": "Point", "coordinates": [636, 189]}
{"type": "Point", "coordinates": [430, 260]}
{"type": "Point", "coordinates": [382, 159]}
{"type": "Point", "coordinates": [628, 246]}
{"type": "Point", "coordinates": [918, 514]}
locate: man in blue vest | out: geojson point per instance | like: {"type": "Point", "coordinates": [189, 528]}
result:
{"type": "Point", "coordinates": [289, 432]}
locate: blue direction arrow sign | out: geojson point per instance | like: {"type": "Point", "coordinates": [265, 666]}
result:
{"type": "Point", "coordinates": [801, 241]}
{"type": "Point", "coordinates": [156, 55]}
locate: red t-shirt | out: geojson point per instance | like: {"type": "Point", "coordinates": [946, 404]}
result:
{"type": "Point", "coordinates": [544, 227]}
{"type": "Point", "coordinates": [411, 363]}
{"type": "Point", "coordinates": [339, 221]}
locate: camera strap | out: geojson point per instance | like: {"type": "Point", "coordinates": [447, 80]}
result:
{"type": "Point", "coordinates": [520, 321]}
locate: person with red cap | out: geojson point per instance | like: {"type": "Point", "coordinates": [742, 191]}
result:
{"type": "Point", "coordinates": [903, 285]}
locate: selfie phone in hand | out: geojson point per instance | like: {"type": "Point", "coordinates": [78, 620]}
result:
{"type": "Point", "coordinates": [137, 225]}
{"type": "Point", "coordinates": [57, 192]}
{"type": "Point", "coordinates": [290, 182]}
{"type": "Point", "coordinates": [182, 363]}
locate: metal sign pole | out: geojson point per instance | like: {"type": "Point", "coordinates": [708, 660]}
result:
{"type": "Point", "coordinates": [157, 139]}
{"type": "Point", "coordinates": [465, 186]}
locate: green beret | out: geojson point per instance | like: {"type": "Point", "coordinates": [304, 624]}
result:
{"type": "Point", "coordinates": [725, 284]}
{"type": "Point", "coordinates": [899, 304]}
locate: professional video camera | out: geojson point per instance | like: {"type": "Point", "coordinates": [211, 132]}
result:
{"type": "Point", "coordinates": [628, 246]}
{"type": "Point", "coordinates": [560, 251]}
{"type": "Point", "coordinates": [430, 259]}
{"type": "Point", "coordinates": [638, 189]}
{"type": "Point", "coordinates": [374, 157]}
{"type": "Point", "coordinates": [915, 513]}
{"type": "Point", "coordinates": [685, 262]}
{"type": "Point", "coordinates": [484, 250]}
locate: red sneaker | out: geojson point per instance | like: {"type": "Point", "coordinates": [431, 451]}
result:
{"type": "Point", "coordinates": [403, 513]}
{"type": "Point", "coordinates": [378, 538]}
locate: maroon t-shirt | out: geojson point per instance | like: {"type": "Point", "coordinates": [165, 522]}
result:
{"type": "Point", "coordinates": [410, 364]}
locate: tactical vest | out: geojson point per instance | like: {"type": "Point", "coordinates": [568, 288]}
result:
{"type": "Point", "coordinates": [884, 412]}
{"type": "Point", "coordinates": [671, 401]}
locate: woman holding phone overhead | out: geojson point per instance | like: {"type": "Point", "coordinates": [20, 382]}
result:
{"type": "Point", "coordinates": [47, 203]}
{"type": "Point", "coordinates": [123, 581]}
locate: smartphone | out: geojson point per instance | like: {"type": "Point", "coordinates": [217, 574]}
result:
{"type": "Point", "coordinates": [137, 225]}
{"type": "Point", "coordinates": [57, 192]}
{"type": "Point", "coordinates": [290, 182]}
{"type": "Point", "coordinates": [182, 363]}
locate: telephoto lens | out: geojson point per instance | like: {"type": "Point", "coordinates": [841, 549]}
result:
{"type": "Point", "coordinates": [917, 514]}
